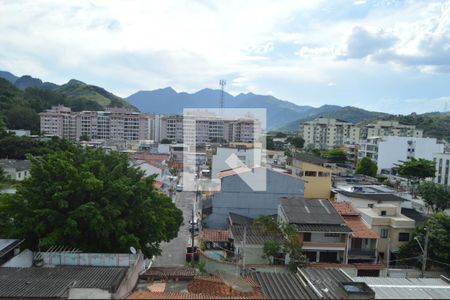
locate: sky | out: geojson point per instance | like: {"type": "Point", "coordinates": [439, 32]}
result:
{"type": "Point", "coordinates": [391, 56]}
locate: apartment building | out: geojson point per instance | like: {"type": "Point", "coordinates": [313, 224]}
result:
{"type": "Point", "coordinates": [110, 124]}
{"type": "Point", "coordinates": [172, 128]}
{"type": "Point", "coordinates": [391, 150]}
{"type": "Point", "coordinates": [390, 128]}
{"type": "Point", "coordinates": [324, 133]}
{"type": "Point", "coordinates": [243, 130]}
{"type": "Point", "coordinates": [442, 161]}
{"type": "Point", "coordinates": [323, 232]}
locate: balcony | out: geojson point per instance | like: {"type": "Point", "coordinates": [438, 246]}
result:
{"type": "Point", "coordinates": [323, 246]}
{"type": "Point", "coordinates": [363, 253]}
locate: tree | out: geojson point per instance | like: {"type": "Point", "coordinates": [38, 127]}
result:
{"type": "Point", "coordinates": [417, 168]}
{"type": "Point", "coordinates": [165, 141]}
{"type": "Point", "coordinates": [435, 195]}
{"type": "Point", "coordinates": [84, 137]}
{"type": "Point", "coordinates": [366, 166]}
{"type": "Point", "coordinates": [438, 245]}
{"type": "Point", "coordinates": [271, 249]}
{"type": "Point", "coordinates": [296, 141]}
{"type": "Point", "coordinates": [336, 155]}
{"type": "Point", "coordinates": [90, 200]}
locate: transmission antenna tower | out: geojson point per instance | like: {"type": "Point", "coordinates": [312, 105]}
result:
{"type": "Point", "coordinates": [222, 83]}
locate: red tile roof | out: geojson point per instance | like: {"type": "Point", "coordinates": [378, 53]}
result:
{"type": "Point", "coordinates": [359, 228]}
{"type": "Point", "coordinates": [215, 235]}
{"type": "Point", "coordinates": [345, 209]}
{"type": "Point", "coordinates": [214, 286]}
{"type": "Point", "coordinates": [164, 273]}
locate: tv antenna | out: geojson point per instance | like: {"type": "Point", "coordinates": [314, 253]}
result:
{"type": "Point", "coordinates": [222, 83]}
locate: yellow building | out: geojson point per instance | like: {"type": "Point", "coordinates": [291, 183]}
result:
{"type": "Point", "coordinates": [315, 172]}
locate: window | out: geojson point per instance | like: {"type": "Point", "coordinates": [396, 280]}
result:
{"type": "Point", "coordinates": [384, 233]}
{"type": "Point", "coordinates": [403, 237]}
{"type": "Point", "coordinates": [383, 212]}
{"type": "Point", "coordinates": [331, 234]}
{"type": "Point", "coordinates": [307, 236]}
{"type": "Point", "coordinates": [310, 173]}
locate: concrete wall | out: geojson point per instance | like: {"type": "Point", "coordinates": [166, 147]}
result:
{"type": "Point", "coordinates": [131, 278]}
{"type": "Point", "coordinates": [253, 254]}
{"type": "Point", "coordinates": [364, 203]}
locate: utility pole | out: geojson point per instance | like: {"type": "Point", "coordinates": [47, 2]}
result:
{"type": "Point", "coordinates": [425, 249]}
{"type": "Point", "coordinates": [244, 241]}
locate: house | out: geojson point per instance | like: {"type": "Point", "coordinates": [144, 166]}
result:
{"type": "Point", "coordinates": [362, 245]}
{"type": "Point", "coordinates": [393, 228]}
{"type": "Point", "coordinates": [16, 169]}
{"type": "Point", "coordinates": [236, 196]}
{"type": "Point", "coordinates": [216, 239]}
{"type": "Point", "coordinates": [323, 231]}
{"type": "Point", "coordinates": [315, 171]}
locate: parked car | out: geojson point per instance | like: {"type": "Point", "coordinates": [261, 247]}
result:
{"type": "Point", "coordinates": [192, 253]}
{"type": "Point", "coordinates": [179, 187]}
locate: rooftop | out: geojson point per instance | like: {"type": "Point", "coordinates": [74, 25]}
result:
{"type": "Point", "coordinates": [283, 286]}
{"type": "Point", "coordinates": [19, 165]}
{"type": "Point", "coordinates": [345, 209]}
{"type": "Point", "coordinates": [408, 288]}
{"type": "Point", "coordinates": [328, 282]}
{"type": "Point", "coordinates": [359, 228]}
{"type": "Point", "coordinates": [372, 196]}
{"type": "Point", "coordinates": [310, 158]}
{"type": "Point", "coordinates": [7, 245]}
{"type": "Point", "coordinates": [215, 235]}
{"type": "Point", "coordinates": [55, 282]}
{"type": "Point", "coordinates": [237, 219]}
{"type": "Point", "coordinates": [165, 273]}
{"type": "Point", "coordinates": [307, 212]}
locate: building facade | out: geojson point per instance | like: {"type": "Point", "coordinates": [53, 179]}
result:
{"type": "Point", "coordinates": [110, 124]}
{"type": "Point", "coordinates": [324, 133]}
{"type": "Point", "coordinates": [391, 150]}
{"type": "Point", "coordinates": [390, 128]}
{"type": "Point", "coordinates": [442, 161]}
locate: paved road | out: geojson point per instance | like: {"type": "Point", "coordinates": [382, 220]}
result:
{"type": "Point", "coordinates": [173, 252]}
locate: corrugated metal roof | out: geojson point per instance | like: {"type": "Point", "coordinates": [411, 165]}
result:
{"type": "Point", "coordinates": [255, 235]}
{"type": "Point", "coordinates": [7, 245]}
{"type": "Point", "coordinates": [283, 286]}
{"type": "Point", "coordinates": [328, 282]}
{"type": "Point", "coordinates": [407, 288]}
{"type": "Point", "coordinates": [55, 282]}
{"type": "Point", "coordinates": [322, 228]}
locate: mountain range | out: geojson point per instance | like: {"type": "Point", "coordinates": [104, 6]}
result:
{"type": "Point", "coordinates": [281, 115]}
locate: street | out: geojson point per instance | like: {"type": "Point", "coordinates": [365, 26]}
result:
{"type": "Point", "coordinates": [173, 252]}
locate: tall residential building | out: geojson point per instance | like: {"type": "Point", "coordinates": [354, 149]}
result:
{"type": "Point", "coordinates": [324, 133]}
{"type": "Point", "coordinates": [246, 130]}
{"type": "Point", "coordinates": [442, 161]}
{"type": "Point", "coordinates": [390, 128]}
{"type": "Point", "coordinates": [172, 128]}
{"type": "Point", "coordinates": [111, 124]}
{"type": "Point", "coordinates": [391, 150]}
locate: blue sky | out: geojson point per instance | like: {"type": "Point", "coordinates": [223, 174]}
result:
{"type": "Point", "coordinates": [391, 56]}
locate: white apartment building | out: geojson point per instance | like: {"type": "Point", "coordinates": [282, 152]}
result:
{"type": "Point", "coordinates": [442, 161]}
{"type": "Point", "coordinates": [324, 133]}
{"type": "Point", "coordinates": [247, 130]}
{"type": "Point", "coordinates": [390, 128]}
{"type": "Point", "coordinates": [111, 124]}
{"type": "Point", "coordinates": [172, 128]}
{"type": "Point", "coordinates": [391, 150]}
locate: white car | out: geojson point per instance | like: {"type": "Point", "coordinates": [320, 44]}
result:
{"type": "Point", "coordinates": [179, 187]}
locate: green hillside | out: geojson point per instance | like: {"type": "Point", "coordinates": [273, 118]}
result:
{"type": "Point", "coordinates": [77, 90]}
{"type": "Point", "coordinates": [434, 124]}
{"type": "Point", "coordinates": [347, 113]}
{"type": "Point", "coordinates": [19, 109]}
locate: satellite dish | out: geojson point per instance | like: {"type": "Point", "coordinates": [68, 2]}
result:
{"type": "Point", "coordinates": [133, 250]}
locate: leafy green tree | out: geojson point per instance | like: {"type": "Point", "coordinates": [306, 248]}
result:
{"type": "Point", "coordinates": [417, 168]}
{"type": "Point", "coordinates": [336, 155]}
{"type": "Point", "coordinates": [271, 250]}
{"type": "Point", "coordinates": [87, 199]}
{"type": "Point", "coordinates": [316, 152]}
{"type": "Point", "coordinates": [366, 166]}
{"type": "Point", "coordinates": [435, 195]}
{"type": "Point", "coordinates": [84, 137]}
{"type": "Point", "coordinates": [296, 141]}
{"type": "Point", "coordinates": [438, 244]}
